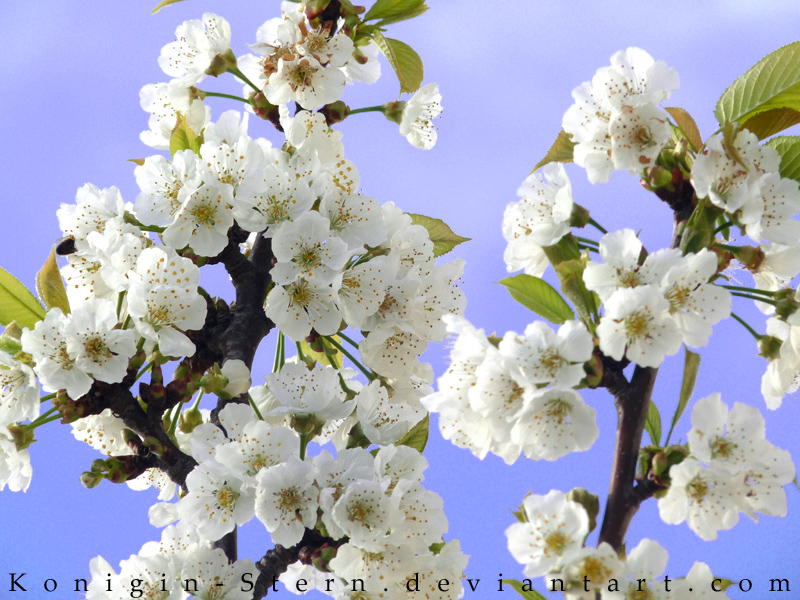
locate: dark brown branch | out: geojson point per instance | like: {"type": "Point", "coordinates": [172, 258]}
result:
{"type": "Point", "coordinates": [632, 402]}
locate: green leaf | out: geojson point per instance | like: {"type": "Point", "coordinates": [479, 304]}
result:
{"type": "Point", "coordinates": [17, 303]}
{"type": "Point", "coordinates": [653, 424]}
{"type": "Point", "coordinates": [443, 238]}
{"type": "Point", "coordinates": [333, 357]}
{"type": "Point", "coordinates": [404, 17]}
{"type": "Point", "coordinates": [384, 9]}
{"type": "Point", "coordinates": [773, 82]}
{"type": "Point", "coordinates": [539, 296]}
{"type": "Point", "coordinates": [687, 125]}
{"type": "Point", "coordinates": [530, 594]}
{"type": "Point", "coordinates": [691, 365]}
{"type": "Point", "coordinates": [560, 151]}
{"type": "Point", "coordinates": [789, 149]}
{"type": "Point", "coordinates": [417, 437]}
{"type": "Point", "coordinates": [50, 285]}
{"type": "Point", "coordinates": [162, 4]}
{"type": "Point", "coordinates": [768, 123]}
{"type": "Point", "coordinates": [404, 60]}
{"type": "Point", "coordinates": [183, 138]}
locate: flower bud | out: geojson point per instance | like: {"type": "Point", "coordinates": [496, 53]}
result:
{"type": "Point", "coordinates": [22, 436]}
{"type": "Point", "coordinates": [769, 347]}
{"type": "Point", "coordinates": [590, 502]}
{"type": "Point", "coordinates": [189, 420]}
{"type": "Point", "coordinates": [90, 479]}
{"type": "Point", "coordinates": [394, 111]}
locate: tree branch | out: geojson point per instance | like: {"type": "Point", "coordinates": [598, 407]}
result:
{"type": "Point", "coordinates": [632, 402]}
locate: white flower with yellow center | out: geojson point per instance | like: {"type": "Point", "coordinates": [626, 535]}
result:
{"type": "Point", "coordinates": [305, 248]}
{"type": "Point", "coordinates": [637, 324]}
{"type": "Point", "coordinates": [418, 115]}
{"type": "Point", "coordinates": [287, 500]}
{"type": "Point", "coordinates": [203, 220]}
{"type": "Point", "coordinates": [551, 535]}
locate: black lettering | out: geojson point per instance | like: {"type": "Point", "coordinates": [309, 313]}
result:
{"type": "Point", "coordinates": [585, 583]}
{"type": "Point", "coordinates": [163, 582]}
{"type": "Point", "coordinates": [55, 585]}
{"type": "Point", "coordinates": [186, 585]}
{"type": "Point", "coordinates": [247, 581]}
{"type": "Point", "coordinates": [500, 581]}
{"type": "Point", "coordinates": [274, 583]}
{"type": "Point", "coordinates": [780, 585]}
{"type": "Point", "coordinates": [616, 585]}
{"type": "Point", "coordinates": [553, 585]}
{"type": "Point", "coordinates": [527, 586]}
{"type": "Point", "coordinates": [472, 587]}
{"type": "Point", "coordinates": [439, 585]}
{"type": "Point", "coordinates": [108, 583]}
{"type": "Point", "coordinates": [353, 583]}
{"type": "Point", "coordinates": [84, 585]}
{"type": "Point", "coordinates": [15, 582]}
{"type": "Point", "coordinates": [639, 581]}
{"type": "Point", "coordinates": [666, 583]}
{"type": "Point", "coordinates": [749, 585]}
{"type": "Point", "coordinates": [328, 583]}
{"type": "Point", "coordinates": [135, 591]}
{"type": "Point", "coordinates": [302, 582]}
{"type": "Point", "coordinates": [714, 585]}
{"type": "Point", "coordinates": [415, 581]}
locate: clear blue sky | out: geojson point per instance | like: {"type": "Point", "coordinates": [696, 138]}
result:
{"type": "Point", "coordinates": [70, 115]}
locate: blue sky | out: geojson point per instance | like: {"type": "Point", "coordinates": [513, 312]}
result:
{"type": "Point", "coordinates": [70, 115]}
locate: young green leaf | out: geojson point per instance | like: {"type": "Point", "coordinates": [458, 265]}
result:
{"type": "Point", "coordinates": [162, 4]}
{"type": "Point", "coordinates": [17, 303]}
{"type": "Point", "coordinates": [687, 125]}
{"type": "Point", "coordinates": [443, 238]}
{"type": "Point", "coordinates": [768, 123]}
{"type": "Point", "coordinates": [653, 424]}
{"type": "Point", "coordinates": [417, 437]}
{"type": "Point", "coordinates": [183, 138]}
{"type": "Point", "coordinates": [528, 594]}
{"type": "Point", "coordinates": [789, 149]}
{"type": "Point", "coordinates": [405, 61]}
{"type": "Point", "coordinates": [50, 285]}
{"type": "Point", "coordinates": [560, 151]}
{"type": "Point", "coordinates": [691, 365]}
{"type": "Point", "coordinates": [332, 357]}
{"type": "Point", "coordinates": [387, 9]}
{"type": "Point", "coordinates": [539, 296]}
{"type": "Point", "coordinates": [773, 82]}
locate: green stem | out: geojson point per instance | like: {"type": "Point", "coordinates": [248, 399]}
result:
{"type": "Point", "coordinates": [174, 421]}
{"type": "Point", "coordinates": [229, 96]}
{"type": "Point", "coordinates": [344, 351]}
{"type": "Point", "coordinates": [47, 397]}
{"type": "Point", "coordinates": [254, 407]}
{"type": "Point", "coordinates": [300, 354]}
{"type": "Point", "coordinates": [589, 248]}
{"type": "Point", "coordinates": [725, 225]}
{"type": "Point", "coordinates": [347, 339]}
{"type": "Point", "coordinates": [737, 288]}
{"type": "Point", "coordinates": [366, 109]}
{"type": "Point", "coordinates": [276, 365]}
{"type": "Point", "coordinates": [120, 300]}
{"type": "Point", "coordinates": [756, 335]}
{"type": "Point", "coordinates": [46, 417]}
{"type": "Point", "coordinates": [587, 241]}
{"type": "Point", "coordinates": [729, 248]}
{"type": "Point", "coordinates": [597, 226]}
{"type": "Point", "coordinates": [244, 78]}
{"type": "Point", "coordinates": [755, 298]}
{"type": "Point", "coordinates": [146, 368]}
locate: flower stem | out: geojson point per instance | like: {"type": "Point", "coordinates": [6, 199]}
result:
{"type": "Point", "coordinates": [366, 109]}
{"type": "Point", "coordinates": [347, 339]}
{"type": "Point", "coordinates": [244, 78]}
{"type": "Point", "coordinates": [254, 407]}
{"type": "Point", "coordinates": [737, 288]}
{"type": "Point", "coordinates": [597, 226]}
{"type": "Point", "coordinates": [344, 351]}
{"type": "Point", "coordinates": [754, 298]}
{"type": "Point", "coordinates": [755, 334]}
{"type": "Point", "coordinates": [229, 96]}
{"type": "Point", "coordinates": [45, 417]}
{"type": "Point", "coordinates": [587, 241]}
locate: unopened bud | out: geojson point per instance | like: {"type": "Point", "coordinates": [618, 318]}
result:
{"type": "Point", "coordinates": [658, 177]}
{"type": "Point", "coordinates": [335, 112]}
{"type": "Point", "coordinates": [590, 502]}
{"type": "Point", "coordinates": [22, 436]}
{"type": "Point", "coordinates": [580, 217]}
{"type": "Point", "coordinates": [90, 479]}
{"type": "Point", "coordinates": [189, 420]}
{"type": "Point", "coordinates": [750, 256]}
{"type": "Point", "coordinates": [222, 63]}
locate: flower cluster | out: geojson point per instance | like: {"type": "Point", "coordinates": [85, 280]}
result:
{"type": "Point", "coordinates": [615, 122]}
{"type": "Point", "coordinates": [310, 256]}
{"type": "Point", "coordinates": [732, 468]}
{"type": "Point", "coordinates": [549, 541]}
{"type": "Point", "coordinates": [516, 397]}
